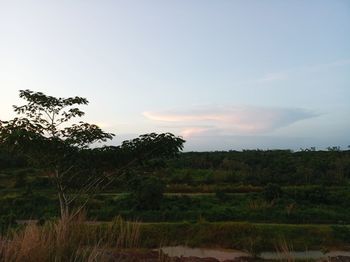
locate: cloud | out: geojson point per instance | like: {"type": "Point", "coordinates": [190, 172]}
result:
{"type": "Point", "coordinates": [228, 120]}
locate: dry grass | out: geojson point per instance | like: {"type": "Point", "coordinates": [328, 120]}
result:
{"type": "Point", "coordinates": [284, 249]}
{"type": "Point", "coordinates": [67, 239]}
{"type": "Point", "coordinates": [256, 205]}
{"type": "Point", "coordinates": [290, 208]}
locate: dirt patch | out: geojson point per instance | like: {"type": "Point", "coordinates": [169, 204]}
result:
{"type": "Point", "coordinates": [155, 256]}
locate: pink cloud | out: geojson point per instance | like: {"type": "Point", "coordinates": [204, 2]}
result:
{"type": "Point", "coordinates": [229, 120]}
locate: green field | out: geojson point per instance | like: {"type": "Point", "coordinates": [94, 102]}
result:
{"type": "Point", "coordinates": [225, 199]}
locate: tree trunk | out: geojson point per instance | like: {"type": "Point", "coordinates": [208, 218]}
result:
{"type": "Point", "coordinates": [64, 206]}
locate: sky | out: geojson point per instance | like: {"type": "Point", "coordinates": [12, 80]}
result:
{"type": "Point", "coordinates": [223, 74]}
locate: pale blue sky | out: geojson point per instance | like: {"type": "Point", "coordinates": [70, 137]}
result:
{"type": "Point", "coordinates": [223, 74]}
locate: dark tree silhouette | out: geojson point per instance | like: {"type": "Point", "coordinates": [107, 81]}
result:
{"type": "Point", "coordinates": [47, 135]}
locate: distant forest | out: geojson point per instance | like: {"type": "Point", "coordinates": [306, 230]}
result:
{"type": "Point", "coordinates": [284, 167]}
{"type": "Point", "coordinates": [253, 167]}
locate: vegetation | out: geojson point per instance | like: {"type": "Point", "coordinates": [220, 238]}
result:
{"type": "Point", "coordinates": [73, 239]}
{"type": "Point", "coordinates": [245, 200]}
{"type": "Point", "coordinates": [68, 239]}
{"type": "Point", "coordinates": [27, 193]}
{"type": "Point", "coordinates": [42, 135]}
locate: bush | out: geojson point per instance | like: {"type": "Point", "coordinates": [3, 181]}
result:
{"type": "Point", "coordinates": [272, 191]}
{"type": "Point", "coordinates": [42, 182]}
{"type": "Point", "coordinates": [6, 221]}
{"type": "Point", "coordinates": [221, 195]}
{"type": "Point", "coordinates": [21, 180]}
{"type": "Point", "coordinates": [342, 233]}
{"type": "Point", "coordinates": [147, 192]}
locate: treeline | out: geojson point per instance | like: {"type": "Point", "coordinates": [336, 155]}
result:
{"type": "Point", "coordinates": [260, 167]}
{"type": "Point", "coordinates": [248, 167]}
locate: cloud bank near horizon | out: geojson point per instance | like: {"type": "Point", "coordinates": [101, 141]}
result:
{"type": "Point", "coordinates": [228, 120]}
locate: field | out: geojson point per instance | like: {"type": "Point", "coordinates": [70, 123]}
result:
{"type": "Point", "coordinates": [250, 200]}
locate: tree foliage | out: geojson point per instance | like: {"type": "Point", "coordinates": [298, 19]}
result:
{"type": "Point", "coordinates": [47, 135]}
{"type": "Point", "coordinates": [44, 118]}
{"type": "Point", "coordinates": [43, 133]}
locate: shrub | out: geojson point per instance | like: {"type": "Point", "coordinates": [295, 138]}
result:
{"type": "Point", "coordinates": [272, 191]}
{"type": "Point", "coordinates": [221, 195]}
{"type": "Point", "coordinates": [6, 221]}
{"type": "Point", "coordinates": [147, 192]}
{"type": "Point", "coordinates": [42, 182]}
{"type": "Point", "coordinates": [342, 233]}
{"type": "Point", "coordinates": [21, 180]}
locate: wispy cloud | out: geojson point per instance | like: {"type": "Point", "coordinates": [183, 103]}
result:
{"type": "Point", "coordinates": [228, 120]}
{"type": "Point", "coordinates": [290, 73]}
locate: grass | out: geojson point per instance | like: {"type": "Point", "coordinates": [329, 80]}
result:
{"type": "Point", "coordinates": [67, 239]}
{"type": "Point", "coordinates": [224, 201]}
{"type": "Point", "coordinates": [284, 249]}
{"type": "Point", "coordinates": [259, 204]}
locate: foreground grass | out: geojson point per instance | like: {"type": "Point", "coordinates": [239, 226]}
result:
{"type": "Point", "coordinates": [76, 239]}
{"type": "Point", "coordinates": [245, 236]}
{"type": "Point", "coordinates": [250, 237]}
{"type": "Point", "coordinates": [67, 239]}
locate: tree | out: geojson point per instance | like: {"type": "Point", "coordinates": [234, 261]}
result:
{"type": "Point", "coordinates": [43, 134]}
{"type": "Point", "coordinates": [46, 135]}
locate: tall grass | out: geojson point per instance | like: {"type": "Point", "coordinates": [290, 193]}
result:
{"type": "Point", "coordinates": [284, 251]}
{"type": "Point", "coordinates": [68, 239]}
{"type": "Point", "coordinates": [255, 205]}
